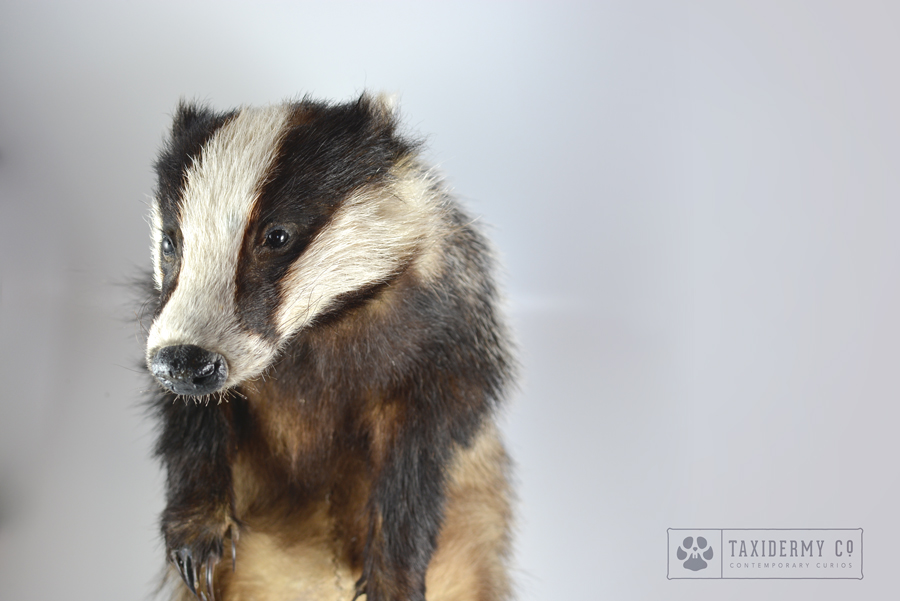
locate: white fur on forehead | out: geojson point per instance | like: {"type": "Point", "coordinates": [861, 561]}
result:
{"type": "Point", "coordinates": [371, 235]}
{"type": "Point", "coordinates": [220, 191]}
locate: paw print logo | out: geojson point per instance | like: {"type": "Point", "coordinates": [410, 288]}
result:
{"type": "Point", "coordinates": [694, 554]}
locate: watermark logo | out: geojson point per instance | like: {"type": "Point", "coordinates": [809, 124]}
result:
{"type": "Point", "coordinates": [781, 553]}
{"type": "Point", "coordinates": [694, 552]}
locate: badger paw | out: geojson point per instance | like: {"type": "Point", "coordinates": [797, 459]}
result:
{"type": "Point", "coordinates": [196, 559]}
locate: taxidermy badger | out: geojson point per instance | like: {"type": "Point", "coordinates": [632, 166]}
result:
{"type": "Point", "coordinates": [326, 334]}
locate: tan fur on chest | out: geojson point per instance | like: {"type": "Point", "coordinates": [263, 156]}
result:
{"type": "Point", "coordinates": [290, 428]}
{"type": "Point", "coordinates": [290, 554]}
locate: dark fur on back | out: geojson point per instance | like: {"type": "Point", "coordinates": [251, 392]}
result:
{"type": "Point", "coordinates": [366, 410]}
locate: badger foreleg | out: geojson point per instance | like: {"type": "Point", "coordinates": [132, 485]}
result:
{"type": "Point", "coordinates": [196, 446]}
{"type": "Point", "coordinates": [405, 514]}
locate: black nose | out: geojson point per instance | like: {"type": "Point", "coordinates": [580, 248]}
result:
{"type": "Point", "coordinates": [189, 369]}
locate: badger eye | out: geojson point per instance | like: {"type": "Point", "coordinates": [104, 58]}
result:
{"type": "Point", "coordinates": [277, 238]}
{"type": "Point", "coordinates": [167, 247]}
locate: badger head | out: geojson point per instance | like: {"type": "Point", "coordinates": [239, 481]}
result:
{"type": "Point", "coordinates": [264, 219]}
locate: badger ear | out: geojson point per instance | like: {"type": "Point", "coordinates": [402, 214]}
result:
{"type": "Point", "coordinates": [192, 125]}
{"type": "Point", "coordinates": [388, 102]}
{"type": "Point", "coordinates": [382, 106]}
{"type": "Point", "coordinates": [188, 115]}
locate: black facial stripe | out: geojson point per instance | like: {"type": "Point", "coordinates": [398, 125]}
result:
{"type": "Point", "coordinates": [170, 282]}
{"type": "Point", "coordinates": [347, 302]}
{"type": "Point", "coordinates": [327, 153]}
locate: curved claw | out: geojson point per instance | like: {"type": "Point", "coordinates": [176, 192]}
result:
{"type": "Point", "coordinates": [186, 568]}
{"type": "Point", "coordinates": [195, 577]}
{"type": "Point", "coordinates": [360, 588]}
{"type": "Point", "coordinates": [176, 561]}
{"type": "Point", "coordinates": [209, 577]}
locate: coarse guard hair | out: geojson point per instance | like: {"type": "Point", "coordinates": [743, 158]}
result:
{"type": "Point", "coordinates": [326, 312]}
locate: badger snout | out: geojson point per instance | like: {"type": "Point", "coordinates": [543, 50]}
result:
{"type": "Point", "coordinates": [189, 369]}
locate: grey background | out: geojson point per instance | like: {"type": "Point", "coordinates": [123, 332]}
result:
{"type": "Point", "coordinates": [696, 204]}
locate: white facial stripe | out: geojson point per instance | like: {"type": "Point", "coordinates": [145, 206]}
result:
{"type": "Point", "coordinates": [220, 191]}
{"type": "Point", "coordinates": [156, 234]}
{"type": "Point", "coordinates": [368, 238]}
